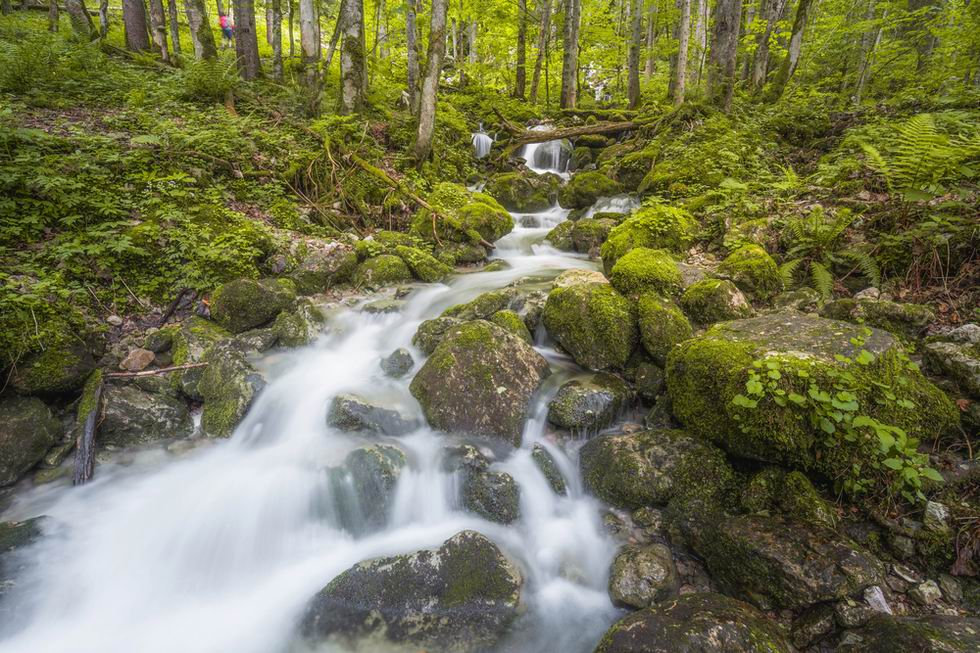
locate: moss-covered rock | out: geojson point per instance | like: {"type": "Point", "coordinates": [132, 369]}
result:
{"type": "Point", "coordinates": [299, 325]}
{"type": "Point", "coordinates": [642, 575]}
{"type": "Point", "coordinates": [585, 406]}
{"type": "Point", "coordinates": [588, 234]}
{"type": "Point", "coordinates": [132, 416]}
{"type": "Point", "coordinates": [459, 598]}
{"type": "Point", "coordinates": [714, 300]}
{"type": "Point", "coordinates": [322, 266]}
{"type": "Point", "coordinates": [228, 386]}
{"type": "Point", "coordinates": [523, 192]}
{"type": "Point", "coordinates": [495, 496]}
{"type": "Point", "coordinates": [956, 356]}
{"type": "Point", "coordinates": [634, 167]}
{"type": "Point", "coordinates": [593, 323]}
{"type": "Point", "coordinates": [424, 266]}
{"type": "Point", "coordinates": [644, 270]}
{"type": "Point", "coordinates": [805, 300]}
{"type": "Point", "coordinates": [773, 489]}
{"type": "Point", "coordinates": [61, 368]}
{"type": "Point", "coordinates": [398, 363]}
{"type": "Point", "coordinates": [27, 430]}
{"type": "Point", "coordinates": [546, 464]}
{"type": "Point", "coordinates": [585, 188]}
{"type": "Point", "coordinates": [484, 305]}
{"type": "Point", "coordinates": [905, 320]}
{"type": "Point", "coordinates": [431, 332]}
{"type": "Point", "coordinates": [662, 326]}
{"type": "Point", "coordinates": [581, 158]}
{"type": "Point", "coordinates": [925, 634]}
{"type": "Point", "coordinates": [362, 489]}
{"type": "Point", "coordinates": [479, 381]}
{"type": "Point", "coordinates": [561, 236]}
{"type": "Point", "coordinates": [652, 467]}
{"type": "Point", "coordinates": [244, 304]}
{"type": "Point", "coordinates": [511, 321]}
{"type": "Point", "coordinates": [696, 623]}
{"type": "Point", "coordinates": [463, 216]}
{"type": "Point", "coordinates": [753, 271]}
{"type": "Point", "coordinates": [194, 337]}
{"type": "Point", "coordinates": [380, 271]}
{"type": "Point", "coordinates": [705, 374]}
{"type": "Point", "coordinates": [655, 226]}
{"type": "Point", "coordinates": [349, 412]}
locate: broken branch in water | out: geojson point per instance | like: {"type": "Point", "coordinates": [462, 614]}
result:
{"type": "Point", "coordinates": [85, 442]}
{"type": "Point", "coordinates": [162, 370]}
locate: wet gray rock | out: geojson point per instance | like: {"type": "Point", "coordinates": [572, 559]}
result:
{"type": "Point", "coordinates": [649, 381]}
{"type": "Point", "coordinates": [813, 625]}
{"type": "Point", "coordinates": [27, 430]}
{"type": "Point", "coordinates": [926, 634]}
{"type": "Point", "coordinates": [588, 405]}
{"type": "Point", "coordinates": [324, 265]}
{"type": "Point", "coordinates": [463, 458]}
{"type": "Point", "coordinates": [363, 487]}
{"type": "Point", "coordinates": [547, 465]}
{"type": "Point", "coordinates": [926, 593]}
{"type": "Point", "coordinates": [642, 575]}
{"type": "Point", "coordinates": [495, 496]}
{"type": "Point", "coordinates": [137, 360]}
{"type": "Point", "coordinates": [957, 357]}
{"type": "Point", "coordinates": [299, 325]}
{"type": "Point", "coordinates": [398, 363]}
{"type": "Point", "coordinates": [132, 416]}
{"type": "Point", "coordinates": [349, 412]}
{"type": "Point", "coordinates": [228, 385]}
{"type": "Point", "coordinates": [459, 598]}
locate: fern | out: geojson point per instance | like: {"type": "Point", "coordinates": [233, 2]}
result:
{"type": "Point", "coordinates": [866, 264]}
{"type": "Point", "coordinates": [823, 280]}
{"type": "Point", "coordinates": [787, 272]}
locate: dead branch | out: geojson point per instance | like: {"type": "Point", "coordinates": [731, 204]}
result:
{"type": "Point", "coordinates": [85, 443]}
{"type": "Point", "coordinates": [162, 370]}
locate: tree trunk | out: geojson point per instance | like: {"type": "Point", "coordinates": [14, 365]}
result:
{"type": "Point", "coordinates": [334, 40]}
{"type": "Point", "coordinates": [636, 43]}
{"type": "Point", "coordinates": [277, 40]}
{"type": "Point", "coordinates": [381, 29]}
{"type": "Point", "coordinates": [520, 82]}
{"type": "Point", "coordinates": [81, 21]}
{"type": "Point", "coordinates": [134, 22]}
{"type": "Point", "coordinates": [158, 28]}
{"type": "Point", "coordinates": [544, 34]}
{"type": "Point", "coordinates": [411, 41]}
{"type": "Point", "coordinates": [309, 45]}
{"type": "Point", "coordinates": [678, 77]}
{"type": "Point", "coordinates": [700, 42]}
{"type": "Point", "coordinates": [53, 18]}
{"type": "Point", "coordinates": [352, 81]}
{"type": "Point", "coordinates": [569, 67]}
{"type": "Point", "coordinates": [172, 16]}
{"type": "Point", "coordinates": [221, 7]}
{"type": "Point", "coordinates": [651, 63]}
{"type": "Point", "coordinates": [201, 35]}
{"type": "Point", "coordinates": [430, 84]}
{"type": "Point", "coordinates": [760, 65]}
{"type": "Point", "coordinates": [292, 48]}
{"type": "Point", "coordinates": [103, 18]}
{"type": "Point", "coordinates": [246, 39]}
{"type": "Point", "coordinates": [6, 8]}
{"type": "Point", "coordinates": [724, 51]}
{"type": "Point", "coordinates": [788, 66]}
{"type": "Point", "coordinates": [869, 43]}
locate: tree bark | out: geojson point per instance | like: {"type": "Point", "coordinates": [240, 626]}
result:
{"type": "Point", "coordinates": [381, 29]}
{"type": "Point", "coordinates": [788, 66]}
{"type": "Point", "coordinates": [201, 35]}
{"type": "Point", "coordinates": [569, 67]}
{"type": "Point", "coordinates": [53, 17]}
{"type": "Point", "coordinates": [869, 43]}
{"type": "Point", "coordinates": [103, 18]}
{"type": "Point", "coordinates": [310, 45]}
{"type": "Point", "coordinates": [636, 43]}
{"type": "Point", "coordinates": [158, 27]}
{"type": "Point", "coordinates": [292, 48]}
{"type": "Point", "coordinates": [81, 21]}
{"type": "Point", "coordinates": [430, 84]}
{"type": "Point", "coordinates": [651, 63]}
{"type": "Point", "coordinates": [520, 81]}
{"type": "Point", "coordinates": [352, 81]}
{"type": "Point", "coordinates": [544, 33]}
{"type": "Point", "coordinates": [6, 8]}
{"type": "Point", "coordinates": [700, 43]}
{"type": "Point", "coordinates": [724, 52]}
{"type": "Point", "coordinates": [134, 23]}
{"type": "Point", "coordinates": [277, 40]}
{"type": "Point", "coordinates": [678, 83]}
{"type": "Point", "coordinates": [173, 15]}
{"type": "Point", "coordinates": [768, 12]}
{"type": "Point", "coordinates": [411, 41]}
{"type": "Point", "coordinates": [246, 39]}
{"type": "Point", "coordinates": [221, 7]}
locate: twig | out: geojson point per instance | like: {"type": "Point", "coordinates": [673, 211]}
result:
{"type": "Point", "coordinates": [162, 370]}
{"type": "Point", "coordinates": [173, 307]}
{"type": "Point", "coordinates": [133, 295]}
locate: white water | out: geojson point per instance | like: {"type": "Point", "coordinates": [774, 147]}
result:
{"type": "Point", "coordinates": [482, 142]}
{"type": "Point", "coordinates": [614, 204]}
{"type": "Point", "coordinates": [218, 551]}
{"type": "Point", "coordinates": [550, 156]}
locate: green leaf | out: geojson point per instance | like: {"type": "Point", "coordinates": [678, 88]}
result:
{"type": "Point", "coordinates": [892, 463]}
{"type": "Point", "coordinates": [797, 399]}
{"type": "Point", "coordinates": [865, 357]}
{"type": "Point", "coordinates": [932, 474]}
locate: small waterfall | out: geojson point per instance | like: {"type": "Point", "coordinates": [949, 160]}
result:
{"type": "Point", "coordinates": [550, 156]}
{"type": "Point", "coordinates": [614, 204]}
{"type": "Point", "coordinates": [482, 142]}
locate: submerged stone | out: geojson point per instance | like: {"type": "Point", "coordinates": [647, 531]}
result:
{"type": "Point", "coordinates": [495, 496]}
{"type": "Point", "coordinates": [350, 412]}
{"type": "Point", "coordinates": [362, 490]}
{"type": "Point", "coordinates": [398, 363]}
{"type": "Point", "coordinates": [588, 405]}
{"type": "Point", "coordinates": [546, 464]}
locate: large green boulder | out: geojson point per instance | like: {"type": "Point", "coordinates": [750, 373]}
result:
{"type": "Point", "coordinates": [593, 323]}
{"type": "Point", "coordinates": [459, 598]}
{"type": "Point", "coordinates": [662, 326]}
{"type": "Point", "coordinates": [228, 385]}
{"type": "Point", "coordinates": [463, 216]}
{"type": "Point", "coordinates": [424, 266]}
{"type": "Point", "coordinates": [714, 300]}
{"type": "Point", "coordinates": [297, 326]}
{"type": "Point", "coordinates": [642, 575]}
{"type": "Point", "coordinates": [61, 368]}
{"type": "Point", "coordinates": [523, 192]}
{"type": "Point", "coordinates": [431, 332]}
{"type": "Point", "coordinates": [585, 188]}
{"type": "Point", "coordinates": [323, 265]}
{"type": "Point", "coordinates": [380, 271]}
{"type": "Point", "coordinates": [646, 270]}
{"type": "Point", "coordinates": [27, 431]}
{"type": "Point", "coordinates": [922, 634]}
{"type": "Point", "coordinates": [906, 320]}
{"type": "Point", "coordinates": [484, 305]}
{"type": "Point", "coordinates": [244, 304]}
{"type": "Point", "coordinates": [634, 167]}
{"type": "Point", "coordinates": [479, 381]}
{"type": "Point", "coordinates": [655, 226]}
{"type": "Point", "coordinates": [696, 623]}
{"type": "Point", "coordinates": [133, 416]}
{"type": "Point", "coordinates": [753, 271]}
{"type": "Point", "coordinates": [812, 362]}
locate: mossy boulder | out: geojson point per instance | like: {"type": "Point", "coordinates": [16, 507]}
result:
{"type": "Point", "coordinates": [424, 266]}
{"type": "Point", "coordinates": [382, 270]}
{"type": "Point", "coordinates": [714, 300]}
{"type": "Point", "coordinates": [495, 496]}
{"type": "Point", "coordinates": [244, 304]}
{"type": "Point", "coordinates": [464, 217]}
{"type": "Point", "coordinates": [792, 493]}
{"type": "Point", "coordinates": [362, 489]}
{"type": "Point", "coordinates": [706, 373]}
{"type": "Point", "coordinates": [27, 430]}
{"type": "Point", "coordinates": [349, 412]}
{"type": "Point", "coordinates": [956, 356]}
{"type": "Point", "coordinates": [908, 321]}
{"type": "Point", "coordinates": [323, 265]}
{"type": "Point", "coordinates": [459, 598]}
{"type": "Point", "coordinates": [560, 236]}
{"type": "Point", "coordinates": [655, 226]}
{"type": "Point", "coordinates": [61, 368]}
{"type": "Point", "coordinates": [634, 167]}
{"type": "Point", "coordinates": [662, 326]}
{"type": "Point", "coordinates": [585, 188]}
{"type": "Point", "coordinates": [546, 464]}
{"type": "Point", "coordinates": [511, 321]}
{"type": "Point", "coordinates": [588, 234]}
{"type": "Point", "coordinates": [132, 416]}
{"type": "Point", "coordinates": [593, 323]}
{"type": "Point", "coordinates": [642, 575]}
{"type": "Point", "coordinates": [923, 634]}
{"type": "Point", "coordinates": [523, 192]}
{"type": "Point", "coordinates": [596, 141]}
{"type": "Point", "coordinates": [228, 385]}
{"type": "Point", "coordinates": [644, 270]}
{"type": "Point", "coordinates": [653, 467]}
{"type": "Point", "coordinates": [696, 623]}
{"type": "Point", "coordinates": [299, 325]}
{"type": "Point", "coordinates": [753, 271]}
{"type": "Point", "coordinates": [581, 158]}
{"type": "Point", "coordinates": [586, 406]}
{"type": "Point", "coordinates": [431, 332]}
{"type": "Point", "coordinates": [484, 305]}
{"type": "Point", "coordinates": [190, 343]}
{"type": "Point", "coordinates": [479, 381]}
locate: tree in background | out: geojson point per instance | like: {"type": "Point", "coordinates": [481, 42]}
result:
{"type": "Point", "coordinates": [172, 15]}
{"type": "Point", "coordinates": [792, 58]}
{"type": "Point", "coordinates": [201, 35]}
{"type": "Point", "coordinates": [724, 52]}
{"type": "Point", "coordinates": [81, 20]}
{"type": "Point", "coordinates": [521, 76]}
{"type": "Point", "coordinates": [158, 29]}
{"type": "Point", "coordinates": [353, 82]}
{"type": "Point", "coordinates": [430, 83]}
{"type": "Point", "coordinates": [636, 44]}
{"type": "Point", "coordinates": [246, 39]}
{"type": "Point", "coordinates": [309, 36]}
{"type": "Point", "coordinates": [569, 69]}
{"type": "Point", "coordinates": [544, 35]}
{"type": "Point", "coordinates": [678, 74]}
{"type": "Point", "coordinates": [134, 24]}
{"type": "Point", "coordinates": [412, 56]}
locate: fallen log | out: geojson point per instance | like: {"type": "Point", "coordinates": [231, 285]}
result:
{"type": "Point", "coordinates": [91, 404]}
{"type": "Point", "coordinates": [572, 132]}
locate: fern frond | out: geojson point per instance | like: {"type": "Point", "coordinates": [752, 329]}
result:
{"type": "Point", "coordinates": [866, 264]}
{"type": "Point", "coordinates": [787, 272]}
{"type": "Point", "coordinates": [823, 280]}
{"type": "Point", "coordinates": [876, 161]}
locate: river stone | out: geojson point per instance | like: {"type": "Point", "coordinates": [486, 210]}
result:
{"type": "Point", "coordinates": [649, 381]}
{"type": "Point", "coordinates": [905, 320]}
{"type": "Point", "coordinates": [777, 561]}
{"type": "Point", "coordinates": [588, 405]}
{"type": "Point", "coordinates": [228, 385]}
{"type": "Point", "coordinates": [485, 305]}
{"type": "Point", "coordinates": [642, 575]}
{"type": "Point", "coordinates": [299, 325]}
{"type": "Point", "coordinates": [525, 192]}
{"type": "Point", "coordinates": [459, 598]}
{"type": "Point", "coordinates": [652, 467]}
{"type": "Point", "coordinates": [714, 300]}
{"type": "Point", "coordinates": [925, 634]}
{"type": "Point", "coordinates": [398, 363]}
{"type": "Point", "coordinates": [60, 369]}
{"type": "Point", "coordinates": [495, 496]}
{"type": "Point", "coordinates": [695, 623]}
{"type": "Point", "coordinates": [431, 332]}
{"type": "Point", "coordinates": [27, 431]}
{"type": "Point", "coordinates": [957, 357]}
{"type": "Point", "coordinates": [576, 276]}
{"type": "Point", "coordinates": [546, 464]}
{"type": "Point", "coordinates": [463, 458]}
{"type": "Point", "coordinates": [593, 323]}
{"type": "Point", "coordinates": [137, 360]}
{"type": "Point", "coordinates": [244, 304]}
{"type": "Point", "coordinates": [349, 412]}
{"type": "Point", "coordinates": [479, 381]}
{"type": "Point", "coordinates": [132, 416]}
{"type": "Point", "coordinates": [190, 342]}
{"type": "Point", "coordinates": [705, 373]}
{"type": "Point", "coordinates": [324, 264]}
{"type": "Point", "coordinates": [363, 487]}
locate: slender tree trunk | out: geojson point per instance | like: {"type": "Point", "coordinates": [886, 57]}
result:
{"type": "Point", "coordinates": [700, 42]}
{"type": "Point", "coordinates": [472, 29]}
{"type": "Point", "coordinates": [636, 44]}
{"type": "Point", "coordinates": [173, 16]}
{"type": "Point", "coordinates": [134, 22]}
{"type": "Point", "coordinates": [310, 45]}
{"type": "Point", "coordinates": [158, 27]}
{"type": "Point", "coordinates": [381, 29]}
{"type": "Point", "coordinates": [724, 52]}
{"type": "Point", "coordinates": [292, 47]}
{"type": "Point", "coordinates": [53, 18]}
{"type": "Point", "coordinates": [679, 77]}
{"type": "Point", "coordinates": [430, 84]}
{"type": "Point", "coordinates": [544, 33]}
{"type": "Point", "coordinates": [221, 7]}
{"type": "Point", "coordinates": [760, 60]}
{"type": "Point", "coordinates": [277, 40]}
{"type": "Point", "coordinates": [651, 63]}
{"type": "Point", "coordinates": [334, 40]}
{"type": "Point", "coordinates": [6, 8]}
{"type": "Point", "coordinates": [103, 18]}
{"type": "Point", "coordinates": [520, 82]}
{"type": "Point", "coordinates": [869, 43]}
{"type": "Point", "coordinates": [201, 35]}
{"type": "Point", "coordinates": [411, 41]}
{"type": "Point", "coordinates": [792, 59]}
{"type": "Point", "coordinates": [246, 39]}
{"type": "Point", "coordinates": [81, 21]}
{"type": "Point", "coordinates": [569, 68]}
{"type": "Point", "coordinates": [352, 56]}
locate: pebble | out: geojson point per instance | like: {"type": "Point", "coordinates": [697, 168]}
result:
{"type": "Point", "coordinates": [951, 588]}
{"type": "Point", "coordinates": [936, 517]}
{"type": "Point", "coordinates": [137, 360]}
{"type": "Point", "coordinates": [875, 598]}
{"type": "Point", "coordinates": [926, 593]}
{"type": "Point", "coordinates": [114, 320]}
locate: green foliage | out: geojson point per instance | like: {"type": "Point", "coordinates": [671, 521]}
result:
{"type": "Point", "coordinates": [209, 81]}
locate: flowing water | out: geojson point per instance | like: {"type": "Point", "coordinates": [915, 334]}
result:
{"type": "Point", "coordinates": [219, 549]}
{"type": "Point", "coordinates": [482, 142]}
{"type": "Point", "coordinates": [550, 156]}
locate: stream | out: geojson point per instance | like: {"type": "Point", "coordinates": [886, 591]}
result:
{"type": "Point", "coordinates": [220, 548]}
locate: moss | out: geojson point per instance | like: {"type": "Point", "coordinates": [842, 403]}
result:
{"type": "Point", "coordinates": [907, 321]}
{"type": "Point", "coordinates": [523, 192]}
{"type": "Point", "coordinates": [657, 226]}
{"type": "Point", "coordinates": [483, 306]}
{"type": "Point", "coordinates": [246, 303]}
{"type": "Point", "coordinates": [581, 157]}
{"type": "Point", "coordinates": [512, 322]}
{"type": "Point", "coordinates": [643, 270]}
{"type": "Point", "coordinates": [561, 236]}
{"type": "Point", "coordinates": [381, 270]}
{"type": "Point", "coordinates": [753, 271]}
{"type": "Point", "coordinates": [423, 265]}
{"type": "Point", "coordinates": [589, 234]}
{"type": "Point", "coordinates": [594, 323]}
{"type": "Point", "coordinates": [162, 339]}
{"type": "Point", "coordinates": [227, 385]}
{"type": "Point", "coordinates": [585, 188]}
{"type": "Point", "coordinates": [662, 326]}
{"type": "Point", "coordinates": [632, 168]}
{"type": "Point", "coordinates": [714, 300]}
{"type": "Point", "coordinates": [61, 368]}
{"type": "Point", "coordinates": [463, 216]}
{"type": "Point", "coordinates": [87, 403]}
{"type": "Point", "coordinates": [592, 141]}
